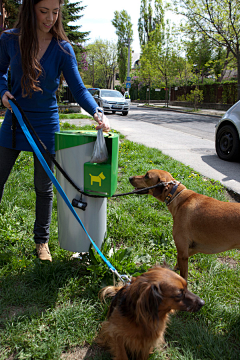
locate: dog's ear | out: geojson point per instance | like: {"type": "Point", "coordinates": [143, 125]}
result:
{"type": "Point", "coordinates": [158, 191]}
{"type": "Point", "coordinates": [148, 304]}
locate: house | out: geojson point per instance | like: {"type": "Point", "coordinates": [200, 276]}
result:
{"type": "Point", "coordinates": [135, 60]}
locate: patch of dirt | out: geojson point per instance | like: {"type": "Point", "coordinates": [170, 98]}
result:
{"type": "Point", "coordinates": [82, 353]}
{"type": "Point", "coordinates": [226, 260]}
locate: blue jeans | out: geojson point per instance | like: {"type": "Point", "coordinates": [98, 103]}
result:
{"type": "Point", "coordinates": [43, 189]}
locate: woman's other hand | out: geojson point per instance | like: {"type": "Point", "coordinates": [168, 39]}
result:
{"type": "Point", "coordinates": [5, 99]}
{"type": "Point", "coordinates": [103, 122]}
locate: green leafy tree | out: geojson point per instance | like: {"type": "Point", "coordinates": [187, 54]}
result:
{"type": "Point", "coordinates": [124, 32]}
{"type": "Point", "coordinates": [167, 49]}
{"type": "Point", "coordinates": [218, 20]}
{"type": "Point", "coordinates": [222, 60]}
{"type": "Point", "coordinates": [148, 70]}
{"type": "Point", "coordinates": [102, 61]}
{"type": "Point", "coordinates": [199, 53]}
{"type": "Point", "coordinates": [184, 74]}
{"type": "Point", "coordinates": [150, 19]}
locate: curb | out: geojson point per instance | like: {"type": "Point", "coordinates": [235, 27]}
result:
{"type": "Point", "coordinates": [180, 111]}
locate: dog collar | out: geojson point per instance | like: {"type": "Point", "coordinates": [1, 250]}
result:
{"type": "Point", "coordinates": [170, 195]}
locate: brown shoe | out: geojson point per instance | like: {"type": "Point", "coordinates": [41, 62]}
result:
{"type": "Point", "coordinates": [43, 252]}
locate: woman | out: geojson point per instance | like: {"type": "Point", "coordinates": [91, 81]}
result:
{"type": "Point", "coordinates": [38, 51]}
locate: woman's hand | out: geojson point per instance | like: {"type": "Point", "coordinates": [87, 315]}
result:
{"type": "Point", "coordinates": [5, 99]}
{"type": "Point", "coordinates": [103, 122]}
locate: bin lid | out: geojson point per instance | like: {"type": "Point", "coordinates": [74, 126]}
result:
{"type": "Point", "coordinates": [69, 138]}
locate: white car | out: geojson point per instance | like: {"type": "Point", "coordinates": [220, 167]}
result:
{"type": "Point", "coordinates": [111, 100]}
{"type": "Point", "coordinates": [227, 134]}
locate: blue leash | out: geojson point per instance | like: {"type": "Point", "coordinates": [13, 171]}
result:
{"type": "Point", "coordinates": [58, 186]}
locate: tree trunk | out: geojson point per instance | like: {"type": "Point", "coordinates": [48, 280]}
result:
{"type": "Point", "coordinates": [149, 93]}
{"type": "Point", "coordinates": [166, 92]}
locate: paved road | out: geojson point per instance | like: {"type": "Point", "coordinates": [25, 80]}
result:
{"type": "Point", "coordinates": [201, 126]}
{"type": "Point", "coordinates": [185, 137]}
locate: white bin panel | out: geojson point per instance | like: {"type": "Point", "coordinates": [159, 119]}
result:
{"type": "Point", "coordinates": [70, 233]}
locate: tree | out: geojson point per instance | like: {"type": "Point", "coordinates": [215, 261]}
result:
{"type": "Point", "coordinates": [219, 21]}
{"type": "Point", "coordinates": [71, 13]}
{"type": "Point", "coordinates": [149, 19]}
{"type": "Point", "coordinates": [166, 55]}
{"type": "Point", "coordinates": [184, 73]}
{"type": "Point", "coordinates": [102, 60]}
{"type": "Point", "coordinates": [148, 69]}
{"type": "Point", "coordinates": [199, 53]}
{"type": "Point", "coordinates": [222, 60]}
{"type": "Point", "coordinates": [123, 25]}
{"type": "Point", "coordinates": [11, 7]}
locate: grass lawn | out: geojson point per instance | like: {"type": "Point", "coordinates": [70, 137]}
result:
{"type": "Point", "coordinates": [52, 311]}
{"type": "Point", "coordinates": [74, 116]}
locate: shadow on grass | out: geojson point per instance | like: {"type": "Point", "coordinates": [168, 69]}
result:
{"type": "Point", "coordinates": [39, 287]}
{"type": "Point", "coordinates": [191, 338]}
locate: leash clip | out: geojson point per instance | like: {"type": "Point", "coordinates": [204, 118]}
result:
{"type": "Point", "coordinates": [123, 278]}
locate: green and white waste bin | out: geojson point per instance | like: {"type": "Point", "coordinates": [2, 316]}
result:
{"type": "Point", "coordinates": [74, 149]}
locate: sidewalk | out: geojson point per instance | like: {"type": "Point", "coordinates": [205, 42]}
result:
{"type": "Point", "coordinates": [183, 109]}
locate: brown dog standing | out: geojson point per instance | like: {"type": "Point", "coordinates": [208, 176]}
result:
{"type": "Point", "coordinates": [138, 314]}
{"type": "Point", "coordinates": [201, 224]}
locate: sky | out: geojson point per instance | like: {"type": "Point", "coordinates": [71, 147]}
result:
{"type": "Point", "coordinates": [98, 16]}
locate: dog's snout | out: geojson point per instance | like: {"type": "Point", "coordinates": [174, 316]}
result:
{"type": "Point", "coordinates": [193, 302]}
{"type": "Point", "coordinates": [197, 305]}
{"type": "Point", "coordinates": [201, 303]}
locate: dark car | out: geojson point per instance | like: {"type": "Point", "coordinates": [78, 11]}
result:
{"type": "Point", "coordinates": [227, 134]}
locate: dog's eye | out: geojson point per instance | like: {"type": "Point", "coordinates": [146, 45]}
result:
{"type": "Point", "coordinates": [180, 295]}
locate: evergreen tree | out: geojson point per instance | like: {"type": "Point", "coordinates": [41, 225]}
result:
{"type": "Point", "coordinates": [11, 7]}
{"type": "Point", "coordinates": [71, 14]}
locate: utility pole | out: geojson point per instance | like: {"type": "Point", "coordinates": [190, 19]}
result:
{"type": "Point", "coordinates": [129, 43]}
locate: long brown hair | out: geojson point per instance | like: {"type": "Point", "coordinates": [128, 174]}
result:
{"type": "Point", "coordinates": [29, 45]}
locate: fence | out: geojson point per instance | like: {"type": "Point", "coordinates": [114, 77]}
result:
{"type": "Point", "coordinates": [212, 93]}
{"type": "Point", "coordinates": [142, 93]}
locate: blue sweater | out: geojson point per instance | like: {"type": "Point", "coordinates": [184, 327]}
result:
{"type": "Point", "coordinates": [41, 109]}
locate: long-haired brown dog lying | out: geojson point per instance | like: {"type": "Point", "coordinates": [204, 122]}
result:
{"type": "Point", "coordinates": [138, 313]}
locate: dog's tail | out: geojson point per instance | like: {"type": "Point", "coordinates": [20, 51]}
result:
{"type": "Point", "coordinates": [110, 291]}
